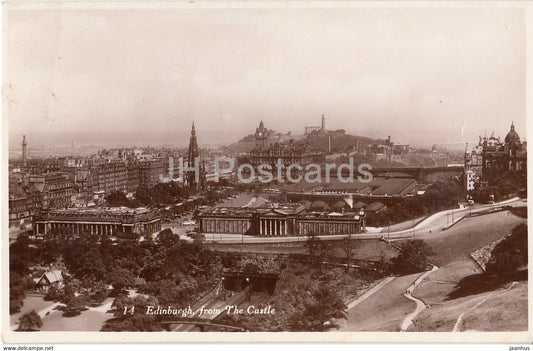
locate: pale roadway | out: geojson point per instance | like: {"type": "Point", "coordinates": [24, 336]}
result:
{"type": "Point", "coordinates": [434, 223]}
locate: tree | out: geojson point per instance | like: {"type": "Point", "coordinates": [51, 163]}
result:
{"type": "Point", "coordinates": [348, 245]}
{"type": "Point", "coordinates": [509, 255]}
{"type": "Point", "coordinates": [17, 286]}
{"type": "Point", "coordinates": [30, 322]}
{"type": "Point", "coordinates": [166, 237]}
{"type": "Point", "coordinates": [144, 197]}
{"type": "Point", "coordinates": [130, 315]}
{"type": "Point", "coordinates": [320, 311]}
{"type": "Point", "coordinates": [117, 198]}
{"type": "Point", "coordinates": [508, 262]}
{"type": "Point", "coordinates": [75, 306]}
{"type": "Point", "coordinates": [414, 257]}
{"type": "Point", "coordinates": [120, 279]}
{"type": "Point", "coordinates": [16, 299]}
{"type": "Point", "coordinates": [314, 245]}
{"type": "Point", "coordinates": [98, 292]}
{"type": "Point", "coordinates": [60, 233]}
{"type": "Point", "coordinates": [199, 239]}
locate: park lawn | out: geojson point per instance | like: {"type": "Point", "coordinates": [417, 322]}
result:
{"type": "Point", "coordinates": [436, 287]}
{"type": "Point", "coordinates": [384, 310]}
{"type": "Point", "coordinates": [507, 311]}
{"type": "Point", "coordinates": [442, 317]}
{"type": "Point", "coordinates": [87, 321]}
{"type": "Point", "coordinates": [499, 313]}
{"type": "Point", "coordinates": [31, 303]}
{"type": "Point", "coordinates": [469, 235]}
{"type": "Point", "coordinates": [434, 291]}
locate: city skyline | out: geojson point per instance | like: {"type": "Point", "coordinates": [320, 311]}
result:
{"type": "Point", "coordinates": [169, 138]}
{"type": "Point", "coordinates": [337, 168]}
{"type": "Point", "coordinates": [371, 71]}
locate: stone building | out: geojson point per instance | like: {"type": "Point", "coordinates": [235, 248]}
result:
{"type": "Point", "coordinates": [149, 172]}
{"type": "Point", "coordinates": [496, 158]}
{"type": "Point", "coordinates": [283, 219]}
{"type": "Point", "coordinates": [291, 153]}
{"type": "Point", "coordinates": [55, 188]}
{"type": "Point", "coordinates": [24, 203]}
{"type": "Point", "coordinates": [98, 221]}
{"type": "Point", "coordinates": [112, 176]}
{"type": "Point", "coordinates": [261, 135]}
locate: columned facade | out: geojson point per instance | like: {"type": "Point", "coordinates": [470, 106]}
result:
{"type": "Point", "coordinates": [274, 224]}
{"type": "Point", "coordinates": [97, 222]}
{"type": "Point", "coordinates": [225, 225]}
{"type": "Point", "coordinates": [273, 227]}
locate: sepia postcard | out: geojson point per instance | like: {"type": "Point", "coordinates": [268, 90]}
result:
{"type": "Point", "coordinates": [265, 171]}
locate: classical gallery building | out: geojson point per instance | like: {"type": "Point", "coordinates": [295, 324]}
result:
{"type": "Point", "coordinates": [98, 221]}
{"type": "Point", "coordinates": [287, 219]}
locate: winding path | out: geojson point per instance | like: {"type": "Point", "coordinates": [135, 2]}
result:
{"type": "Point", "coordinates": [460, 318]}
{"type": "Point", "coordinates": [420, 305]}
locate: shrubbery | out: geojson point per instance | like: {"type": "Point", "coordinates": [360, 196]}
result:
{"type": "Point", "coordinates": [413, 257]}
{"type": "Point", "coordinates": [30, 322]}
{"type": "Point", "coordinates": [509, 255]}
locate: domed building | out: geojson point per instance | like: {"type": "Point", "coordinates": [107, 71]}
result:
{"type": "Point", "coordinates": [512, 137]}
{"type": "Point", "coordinates": [500, 158]}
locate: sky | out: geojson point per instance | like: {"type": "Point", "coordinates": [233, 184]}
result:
{"type": "Point", "coordinates": [422, 75]}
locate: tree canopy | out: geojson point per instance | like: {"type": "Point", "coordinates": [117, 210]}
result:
{"type": "Point", "coordinates": [30, 322]}
{"type": "Point", "coordinates": [413, 257]}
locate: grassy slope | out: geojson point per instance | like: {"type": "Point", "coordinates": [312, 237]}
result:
{"type": "Point", "coordinates": [382, 311]}
{"type": "Point", "coordinates": [385, 310]}
{"type": "Point", "coordinates": [434, 291]}
{"type": "Point", "coordinates": [471, 234]}
{"type": "Point", "coordinates": [506, 311]}
{"type": "Point", "coordinates": [453, 248]}
{"type": "Point", "coordinates": [86, 321]}
{"type": "Point", "coordinates": [502, 311]}
{"type": "Point", "coordinates": [436, 287]}
{"type": "Point", "coordinates": [31, 303]}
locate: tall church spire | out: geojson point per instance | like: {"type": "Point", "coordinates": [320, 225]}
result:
{"type": "Point", "coordinates": [191, 179]}
{"type": "Point", "coordinates": [193, 148]}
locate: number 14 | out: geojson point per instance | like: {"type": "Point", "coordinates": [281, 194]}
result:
{"type": "Point", "coordinates": [130, 310]}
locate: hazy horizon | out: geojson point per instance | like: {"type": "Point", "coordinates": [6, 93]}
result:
{"type": "Point", "coordinates": [180, 138]}
{"type": "Point", "coordinates": [124, 76]}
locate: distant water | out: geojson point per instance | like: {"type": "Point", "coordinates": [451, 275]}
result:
{"type": "Point", "coordinates": [89, 140]}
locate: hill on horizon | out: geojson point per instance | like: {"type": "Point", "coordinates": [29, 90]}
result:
{"type": "Point", "coordinates": [340, 141]}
